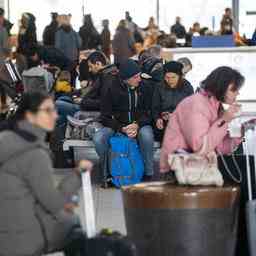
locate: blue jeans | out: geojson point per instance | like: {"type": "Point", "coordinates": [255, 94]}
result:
{"type": "Point", "coordinates": [65, 108]}
{"type": "Point", "coordinates": [145, 139]}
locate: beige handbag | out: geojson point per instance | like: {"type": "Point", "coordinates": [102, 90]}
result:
{"type": "Point", "coordinates": [196, 168]}
{"type": "Point", "coordinates": [193, 169]}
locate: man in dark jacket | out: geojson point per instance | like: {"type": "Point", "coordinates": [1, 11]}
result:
{"type": "Point", "coordinates": [50, 30]}
{"type": "Point", "coordinates": [178, 29]}
{"type": "Point", "coordinates": [123, 110]}
{"type": "Point", "coordinates": [103, 74]}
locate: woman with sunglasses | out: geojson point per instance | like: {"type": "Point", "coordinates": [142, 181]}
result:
{"type": "Point", "coordinates": [35, 218]}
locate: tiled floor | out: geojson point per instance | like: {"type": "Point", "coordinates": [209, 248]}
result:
{"type": "Point", "coordinates": [108, 209]}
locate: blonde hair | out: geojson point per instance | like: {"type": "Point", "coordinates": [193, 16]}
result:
{"type": "Point", "coordinates": [65, 76]}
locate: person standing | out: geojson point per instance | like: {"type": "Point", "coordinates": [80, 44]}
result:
{"type": "Point", "coordinates": [123, 44]}
{"type": "Point", "coordinates": [178, 29]}
{"type": "Point", "coordinates": [227, 22]}
{"type": "Point", "coordinates": [68, 42]}
{"type": "Point", "coordinates": [27, 38]}
{"type": "Point", "coordinates": [90, 37]}
{"type": "Point", "coordinates": [106, 39]}
{"type": "Point", "coordinates": [4, 37]}
{"type": "Point", "coordinates": [50, 31]}
{"type": "Point", "coordinates": [6, 23]}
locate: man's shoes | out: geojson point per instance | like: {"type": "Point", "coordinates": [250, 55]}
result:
{"type": "Point", "coordinates": [147, 178]}
{"type": "Point", "coordinates": [107, 184]}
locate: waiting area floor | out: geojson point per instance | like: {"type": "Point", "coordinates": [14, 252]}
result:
{"type": "Point", "coordinates": [108, 207]}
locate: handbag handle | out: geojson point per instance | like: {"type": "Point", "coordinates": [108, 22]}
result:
{"type": "Point", "coordinates": [239, 180]}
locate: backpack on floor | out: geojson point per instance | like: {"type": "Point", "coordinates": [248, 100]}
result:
{"type": "Point", "coordinates": [126, 162]}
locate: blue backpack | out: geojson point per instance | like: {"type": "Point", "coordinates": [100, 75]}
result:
{"type": "Point", "coordinates": [126, 162]}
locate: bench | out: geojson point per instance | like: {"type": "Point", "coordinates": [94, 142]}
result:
{"type": "Point", "coordinates": [85, 149]}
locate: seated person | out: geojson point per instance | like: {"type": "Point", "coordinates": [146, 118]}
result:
{"type": "Point", "coordinates": [200, 122]}
{"type": "Point", "coordinates": [152, 75]}
{"type": "Point", "coordinates": [63, 84]}
{"type": "Point", "coordinates": [173, 89]}
{"type": "Point", "coordinates": [102, 73]}
{"type": "Point", "coordinates": [122, 110]}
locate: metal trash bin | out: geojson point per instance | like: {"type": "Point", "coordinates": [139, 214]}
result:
{"type": "Point", "coordinates": [171, 220]}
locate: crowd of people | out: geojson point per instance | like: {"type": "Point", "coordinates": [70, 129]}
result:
{"type": "Point", "coordinates": [138, 95]}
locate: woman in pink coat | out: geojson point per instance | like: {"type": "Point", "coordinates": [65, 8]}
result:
{"type": "Point", "coordinates": [201, 117]}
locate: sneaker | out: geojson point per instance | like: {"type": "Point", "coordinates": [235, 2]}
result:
{"type": "Point", "coordinates": [107, 184]}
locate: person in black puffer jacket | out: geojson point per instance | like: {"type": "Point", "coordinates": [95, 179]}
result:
{"type": "Point", "coordinates": [173, 89]}
{"type": "Point", "coordinates": [123, 110]}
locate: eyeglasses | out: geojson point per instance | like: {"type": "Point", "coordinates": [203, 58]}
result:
{"type": "Point", "coordinates": [48, 110]}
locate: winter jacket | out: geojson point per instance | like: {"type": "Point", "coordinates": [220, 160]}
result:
{"type": "Point", "coordinates": [121, 105]}
{"type": "Point", "coordinates": [195, 120]}
{"type": "Point", "coordinates": [69, 42]}
{"type": "Point", "coordinates": [166, 99]}
{"type": "Point", "coordinates": [49, 34]}
{"type": "Point", "coordinates": [90, 38]}
{"type": "Point", "coordinates": [32, 214]}
{"type": "Point", "coordinates": [26, 41]}
{"type": "Point", "coordinates": [91, 101]}
{"type": "Point", "coordinates": [123, 45]}
{"type": "Point", "coordinates": [179, 30]}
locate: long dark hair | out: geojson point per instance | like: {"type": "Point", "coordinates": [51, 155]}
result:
{"type": "Point", "coordinates": [218, 81]}
{"type": "Point", "coordinates": [29, 102]}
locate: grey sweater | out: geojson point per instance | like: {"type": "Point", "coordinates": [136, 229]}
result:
{"type": "Point", "coordinates": [31, 207]}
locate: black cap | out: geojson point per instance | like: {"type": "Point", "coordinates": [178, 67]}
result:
{"type": "Point", "coordinates": [173, 67]}
{"type": "Point", "coordinates": [128, 69]}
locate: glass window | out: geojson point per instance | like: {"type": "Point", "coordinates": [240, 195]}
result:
{"type": "Point", "coordinates": [247, 22]}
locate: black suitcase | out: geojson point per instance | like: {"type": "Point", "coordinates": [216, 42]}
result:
{"type": "Point", "coordinates": [106, 243]}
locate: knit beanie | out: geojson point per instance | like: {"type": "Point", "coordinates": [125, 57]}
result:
{"type": "Point", "coordinates": [128, 69]}
{"type": "Point", "coordinates": [173, 67]}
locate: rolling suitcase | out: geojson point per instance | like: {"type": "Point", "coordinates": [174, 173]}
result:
{"type": "Point", "coordinates": [251, 203]}
{"type": "Point", "coordinates": [106, 242]}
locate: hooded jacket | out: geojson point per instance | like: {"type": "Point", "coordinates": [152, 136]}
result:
{"type": "Point", "coordinates": [32, 215]}
{"type": "Point", "coordinates": [121, 105]}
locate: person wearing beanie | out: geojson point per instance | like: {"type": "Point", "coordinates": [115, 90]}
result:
{"type": "Point", "coordinates": [171, 91]}
{"type": "Point", "coordinates": [123, 110]}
